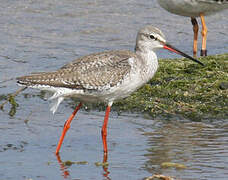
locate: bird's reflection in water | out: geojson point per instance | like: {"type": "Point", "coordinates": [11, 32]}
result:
{"type": "Point", "coordinates": [66, 173]}
{"type": "Point", "coordinates": [105, 166]}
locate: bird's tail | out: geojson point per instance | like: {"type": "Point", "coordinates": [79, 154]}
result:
{"type": "Point", "coordinates": [41, 78]}
{"type": "Point", "coordinates": [43, 81]}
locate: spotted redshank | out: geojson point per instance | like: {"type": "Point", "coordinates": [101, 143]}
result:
{"type": "Point", "coordinates": [103, 77]}
{"type": "Point", "coordinates": [193, 9]}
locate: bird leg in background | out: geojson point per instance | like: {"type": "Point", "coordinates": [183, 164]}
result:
{"type": "Point", "coordinates": [104, 129]}
{"type": "Point", "coordinates": [66, 127]}
{"type": "Point", "coordinates": [204, 36]}
{"type": "Point", "coordinates": [195, 30]}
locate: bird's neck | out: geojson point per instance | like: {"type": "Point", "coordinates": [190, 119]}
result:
{"type": "Point", "coordinates": [148, 57]}
{"type": "Point", "coordinates": [148, 63]}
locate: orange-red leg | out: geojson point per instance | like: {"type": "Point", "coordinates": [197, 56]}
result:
{"type": "Point", "coordinates": [66, 127]}
{"type": "Point", "coordinates": [195, 30]}
{"type": "Point", "coordinates": [104, 130]}
{"type": "Point", "coordinates": [204, 36]}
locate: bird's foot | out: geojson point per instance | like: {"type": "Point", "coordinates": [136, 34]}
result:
{"type": "Point", "coordinates": [203, 52]}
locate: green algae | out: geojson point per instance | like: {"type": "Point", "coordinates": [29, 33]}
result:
{"type": "Point", "coordinates": [104, 164]}
{"type": "Point", "coordinates": [183, 88]}
{"type": "Point", "coordinates": [14, 106]}
{"type": "Point", "coordinates": [173, 165]}
{"type": "Point", "coordinates": [69, 163]}
{"type": "Point", "coordinates": [11, 99]}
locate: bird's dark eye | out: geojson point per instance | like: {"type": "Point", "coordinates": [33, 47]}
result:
{"type": "Point", "coordinates": [152, 37]}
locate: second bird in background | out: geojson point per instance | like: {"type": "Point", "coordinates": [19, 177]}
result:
{"type": "Point", "coordinates": [193, 9]}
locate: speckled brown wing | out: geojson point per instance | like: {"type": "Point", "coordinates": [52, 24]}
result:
{"type": "Point", "coordinates": [95, 71]}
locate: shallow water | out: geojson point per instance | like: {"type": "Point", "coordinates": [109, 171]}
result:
{"type": "Point", "coordinates": [137, 146]}
{"type": "Point", "coordinates": [43, 36]}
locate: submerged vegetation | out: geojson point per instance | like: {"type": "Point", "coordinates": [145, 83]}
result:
{"type": "Point", "coordinates": [179, 88]}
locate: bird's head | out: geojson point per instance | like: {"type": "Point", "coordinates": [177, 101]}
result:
{"type": "Point", "coordinates": [150, 38]}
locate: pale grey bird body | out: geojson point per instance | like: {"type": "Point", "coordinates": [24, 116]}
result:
{"type": "Point", "coordinates": [193, 8]}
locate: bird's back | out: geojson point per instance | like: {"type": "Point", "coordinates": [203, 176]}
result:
{"type": "Point", "coordinates": [92, 72]}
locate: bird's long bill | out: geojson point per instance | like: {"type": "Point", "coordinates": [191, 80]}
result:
{"type": "Point", "coordinates": [173, 49]}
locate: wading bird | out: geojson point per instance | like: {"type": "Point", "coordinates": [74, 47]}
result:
{"type": "Point", "coordinates": [103, 77]}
